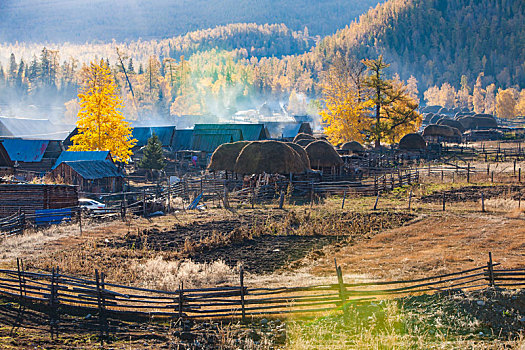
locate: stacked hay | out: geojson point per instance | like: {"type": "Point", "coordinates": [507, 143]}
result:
{"type": "Point", "coordinates": [353, 146]}
{"type": "Point", "coordinates": [412, 142]}
{"type": "Point", "coordinates": [301, 152]}
{"type": "Point", "coordinates": [323, 155]}
{"type": "Point", "coordinates": [304, 142]}
{"type": "Point", "coordinates": [442, 131]}
{"type": "Point", "coordinates": [435, 118]}
{"type": "Point", "coordinates": [428, 118]}
{"type": "Point", "coordinates": [478, 122]}
{"type": "Point", "coordinates": [271, 157]}
{"type": "Point", "coordinates": [225, 156]}
{"type": "Point", "coordinates": [303, 136]}
{"type": "Point", "coordinates": [451, 123]}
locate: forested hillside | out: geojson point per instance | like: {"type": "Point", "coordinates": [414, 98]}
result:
{"type": "Point", "coordinates": [440, 40]}
{"type": "Point", "coordinates": [462, 46]}
{"type": "Point", "coordinates": [82, 21]}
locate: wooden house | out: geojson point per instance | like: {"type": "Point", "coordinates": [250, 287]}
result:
{"type": "Point", "coordinates": [91, 176]}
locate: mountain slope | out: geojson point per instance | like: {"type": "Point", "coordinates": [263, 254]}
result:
{"type": "Point", "coordinates": [123, 20]}
{"type": "Point", "coordinates": [439, 40]}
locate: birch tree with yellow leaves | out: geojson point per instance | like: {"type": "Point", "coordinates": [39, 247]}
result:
{"type": "Point", "coordinates": [101, 125]}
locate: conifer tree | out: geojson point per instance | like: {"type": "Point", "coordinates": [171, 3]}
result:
{"type": "Point", "coordinates": [153, 155]}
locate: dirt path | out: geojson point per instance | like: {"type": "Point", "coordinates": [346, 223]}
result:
{"type": "Point", "coordinates": [432, 245]}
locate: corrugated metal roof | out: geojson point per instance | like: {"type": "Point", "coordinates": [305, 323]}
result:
{"type": "Point", "coordinates": [41, 129]}
{"type": "Point", "coordinates": [143, 133]}
{"type": "Point", "coordinates": [73, 156]}
{"type": "Point", "coordinates": [209, 142]}
{"type": "Point", "coordinates": [94, 169]}
{"type": "Point", "coordinates": [28, 151]}
{"type": "Point", "coordinates": [182, 140]}
{"type": "Point", "coordinates": [250, 132]}
{"type": "Point", "coordinates": [235, 133]}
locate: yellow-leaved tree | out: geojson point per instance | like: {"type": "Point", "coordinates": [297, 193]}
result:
{"type": "Point", "coordinates": [345, 104]}
{"type": "Point", "coordinates": [101, 125]}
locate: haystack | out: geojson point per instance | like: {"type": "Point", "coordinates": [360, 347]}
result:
{"type": "Point", "coordinates": [428, 118]}
{"type": "Point", "coordinates": [301, 152]}
{"type": "Point", "coordinates": [225, 156]}
{"type": "Point", "coordinates": [303, 136]}
{"type": "Point", "coordinates": [322, 154]}
{"type": "Point", "coordinates": [353, 146]}
{"type": "Point", "coordinates": [271, 157]}
{"type": "Point", "coordinates": [478, 122]}
{"type": "Point", "coordinates": [305, 128]}
{"type": "Point", "coordinates": [445, 132]}
{"type": "Point", "coordinates": [451, 123]}
{"type": "Point", "coordinates": [412, 142]}
{"type": "Point", "coordinates": [435, 118]}
{"type": "Point", "coordinates": [304, 142]}
{"type": "Point", "coordinates": [434, 130]}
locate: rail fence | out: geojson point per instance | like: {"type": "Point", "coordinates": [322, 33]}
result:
{"type": "Point", "coordinates": [59, 293]}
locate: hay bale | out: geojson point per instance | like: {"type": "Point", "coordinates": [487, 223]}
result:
{"type": "Point", "coordinates": [304, 142]}
{"type": "Point", "coordinates": [271, 157]}
{"type": "Point", "coordinates": [451, 123]}
{"type": "Point", "coordinates": [323, 154]}
{"type": "Point", "coordinates": [412, 142]}
{"type": "Point", "coordinates": [353, 146]}
{"type": "Point", "coordinates": [303, 136]}
{"type": "Point", "coordinates": [301, 152]}
{"type": "Point", "coordinates": [225, 156]}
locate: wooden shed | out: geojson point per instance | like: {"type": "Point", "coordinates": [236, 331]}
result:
{"type": "Point", "coordinates": [91, 176]}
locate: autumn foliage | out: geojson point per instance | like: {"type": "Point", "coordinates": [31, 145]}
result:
{"type": "Point", "coordinates": [101, 125]}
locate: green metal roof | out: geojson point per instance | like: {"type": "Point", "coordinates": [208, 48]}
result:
{"type": "Point", "coordinates": [209, 142]}
{"type": "Point", "coordinates": [235, 133]}
{"type": "Point", "coordinates": [250, 132]}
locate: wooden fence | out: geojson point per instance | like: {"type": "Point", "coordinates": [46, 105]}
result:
{"type": "Point", "coordinates": [60, 292]}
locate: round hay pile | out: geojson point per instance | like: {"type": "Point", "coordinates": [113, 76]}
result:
{"type": "Point", "coordinates": [301, 152]}
{"type": "Point", "coordinates": [303, 136]}
{"type": "Point", "coordinates": [323, 154]}
{"type": "Point", "coordinates": [434, 130]}
{"type": "Point", "coordinates": [271, 157]}
{"type": "Point", "coordinates": [428, 118]}
{"type": "Point", "coordinates": [304, 142]}
{"type": "Point", "coordinates": [451, 123]}
{"type": "Point", "coordinates": [412, 142]}
{"type": "Point", "coordinates": [353, 146]}
{"type": "Point", "coordinates": [435, 118]}
{"type": "Point", "coordinates": [225, 156]}
{"type": "Point", "coordinates": [478, 122]}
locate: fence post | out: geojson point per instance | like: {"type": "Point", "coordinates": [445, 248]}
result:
{"type": "Point", "coordinates": [21, 280]}
{"type": "Point", "coordinates": [519, 175]}
{"type": "Point", "coordinates": [443, 201]}
{"type": "Point", "coordinates": [468, 173]}
{"type": "Point", "coordinates": [340, 282]}
{"type": "Point", "coordinates": [241, 276]}
{"type": "Point", "coordinates": [80, 219]}
{"type": "Point", "coordinates": [100, 302]}
{"type": "Point", "coordinates": [410, 200]}
{"type": "Point", "coordinates": [225, 199]}
{"type": "Point", "coordinates": [377, 199]}
{"type": "Point", "coordinates": [169, 195]}
{"type": "Point", "coordinates": [181, 296]}
{"type": "Point", "coordinates": [492, 177]}
{"type": "Point", "coordinates": [281, 199]}
{"type": "Point", "coordinates": [482, 202]}
{"type": "Point", "coordinates": [53, 319]}
{"type": "Point", "coordinates": [490, 270]}
{"type": "Point", "coordinates": [344, 197]}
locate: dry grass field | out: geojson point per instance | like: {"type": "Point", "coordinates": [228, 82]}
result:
{"type": "Point", "coordinates": [297, 246]}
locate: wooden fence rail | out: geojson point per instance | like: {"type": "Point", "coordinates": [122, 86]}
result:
{"type": "Point", "coordinates": [57, 290]}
